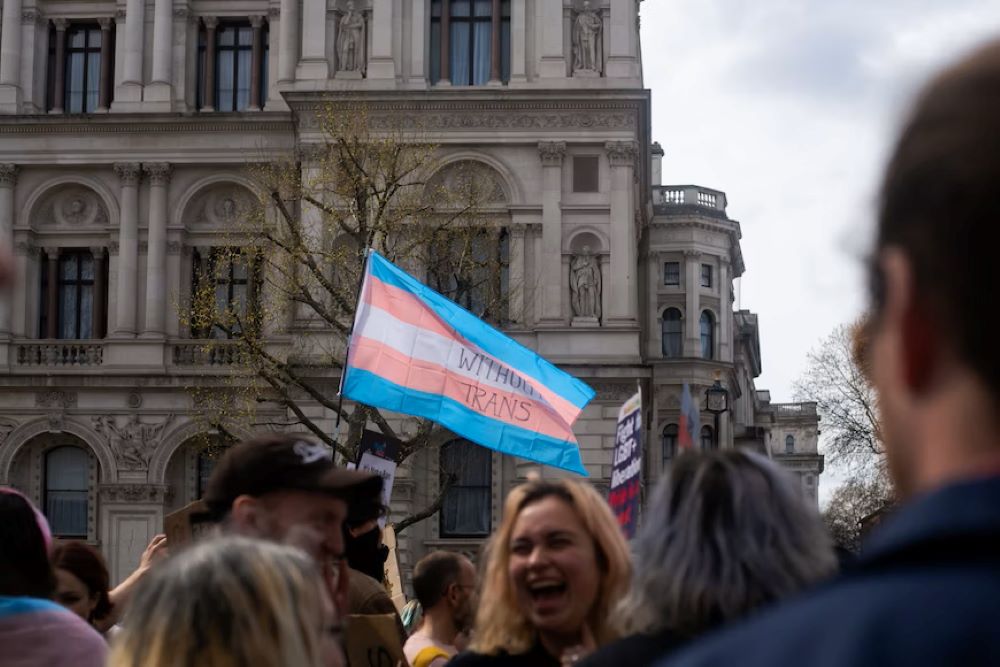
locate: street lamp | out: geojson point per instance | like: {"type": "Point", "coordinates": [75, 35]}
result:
{"type": "Point", "coordinates": [717, 402]}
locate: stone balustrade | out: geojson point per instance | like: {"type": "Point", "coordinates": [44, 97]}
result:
{"type": "Point", "coordinates": [205, 353]}
{"type": "Point", "coordinates": [689, 195]}
{"type": "Point", "coordinates": [59, 354]}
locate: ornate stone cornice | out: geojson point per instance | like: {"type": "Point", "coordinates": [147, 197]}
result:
{"type": "Point", "coordinates": [55, 399]}
{"type": "Point", "coordinates": [621, 153]}
{"type": "Point", "coordinates": [128, 172]}
{"type": "Point", "coordinates": [113, 247]}
{"type": "Point", "coordinates": [159, 172]}
{"type": "Point", "coordinates": [552, 152]}
{"type": "Point", "coordinates": [8, 174]}
{"type": "Point", "coordinates": [613, 391]}
{"type": "Point", "coordinates": [174, 247]}
{"type": "Point", "coordinates": [274, 12]}
{"type": "Point", "coordinates": [693, 254]}
{"type": "Point", "coordinates": [500, 119]}
{"type": "Point", "coordinates": [181, 13]}
{"type": "Point", "coordinates": [108, 124]}
{"type": "Point", "coordinates": [30, 16]}
{"type": "Point", "coordinates": [133, 493]}
{"type": "Point", "coordinates": [120, 15]}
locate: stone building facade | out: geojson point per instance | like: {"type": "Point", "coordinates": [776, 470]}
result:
{"type": "Point", "coordinates": [125, 126]}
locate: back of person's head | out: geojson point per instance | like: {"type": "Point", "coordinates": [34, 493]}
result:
{"type": "Point", "coordinates": [432, 576]}
{"type": "Point", "coordinates": [86, 564]}
{"type": "Point", "coordinates": [363, 545]}
{"type": "Point", "coordinates": [225, 602]}
{"type": "Point", "coordinates": [940, 206]}
{"type": "Point", "coordinates": [726, 532]}
{"type": "Point", "coordinates": [24, 548]}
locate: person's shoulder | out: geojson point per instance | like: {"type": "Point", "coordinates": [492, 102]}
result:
{"type": "Point", "coordinates": [28, 634]}
{"type": "Point", "coordinates": [634, 650]}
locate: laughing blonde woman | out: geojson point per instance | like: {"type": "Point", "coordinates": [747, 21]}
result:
{"type": "Point", "coordinates": [556, 567]}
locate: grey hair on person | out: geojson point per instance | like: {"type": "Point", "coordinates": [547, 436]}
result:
{"type": "Point", "coordinates": [726, 532]}
{"type": "Point", "coordinates": [225, 602]}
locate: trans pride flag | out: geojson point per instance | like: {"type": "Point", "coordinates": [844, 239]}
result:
{"type": "Point", "coordinates": [690, 421]}
{"type": "Point", "coordinates": [415, 352]}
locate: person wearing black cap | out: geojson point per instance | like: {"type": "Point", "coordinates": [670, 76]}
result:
{"type": "Point", "coordinates": [287, 489]}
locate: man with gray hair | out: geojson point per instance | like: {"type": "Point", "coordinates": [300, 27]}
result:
{"type": "Point", "coordinates": [926, 588]}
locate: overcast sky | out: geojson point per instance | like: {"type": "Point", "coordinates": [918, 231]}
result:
{"type": "Point", "coordinates": [788, 106]}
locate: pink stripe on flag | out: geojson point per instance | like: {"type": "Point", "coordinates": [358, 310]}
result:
{"type": "Point", "coordinates": [410, 373]}
{"type": "Point", "coordinates": [410, 309]}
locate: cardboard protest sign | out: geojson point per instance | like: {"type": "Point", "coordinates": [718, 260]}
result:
{"type": "Point", "coordinates": [626, 466]}
{"type": "Point", "coordinates": [373, 641]}
{"type": "Point", "coordinates": [187, 524]}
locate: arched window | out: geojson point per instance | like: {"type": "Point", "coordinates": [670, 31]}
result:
{"type": "Point", "coordinates": [789, 444]}
{"type": "Point", "coordinates": [707, 439]}
{"type": "Point", "coordinates": [707, 335]}
{"type": "Point", "coordinates": [466, 508]}
{"type": "Point", "coordinates": [669, 442]}
{"type": "Point", "coordinates": [67, 472]}
{"type": "Point", "coordinates": [672, 329]}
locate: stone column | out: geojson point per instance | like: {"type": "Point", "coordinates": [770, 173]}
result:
{"type": "Point", "coordinates": [208, 75]}
{"type": "Point", "coordinates": [418, 42]}
{"type": "Point", "coordinates": [552, 279]}
{"type": "Point", "coordinates": [495, 65]}
{"type": "Point", "coordinates": [10, 55]}
{"type": "Point", "coordinates": [107, 66]}
{"type": "Point", "coordinates": [549, 32]}
{"type": "Point", "coordinates": [623, 36]}
{"type": "Point", "coordinates": [516, 282]}
{"type": "Point", "coordinates": [624, 264]}
{"type": "Point", "coordinates": [692, 314]}
{"type": "Point", "coordinates": [128, 249]}
{"type": "Point", "coordinates": [381, 65]}
{"type": "Point", "coordinates": [8, 180]}
{"type": "Point", "coordinates": [156, 256]}
{"type": "Point", "coordinates": [288, 39]}
{"type": "Point", "coordinates": [100, 293]}
{"type": "Point", "coordinates": [52, 293]}
{"type": "Point", "coordinates": [725, 311]}
{"type": "Point", "coordinates": [59, 87]}
{"type": "Point", "coordinates": [135, 23]}
{"type": "Point", "coordinates": [313, 64]}
{"type": "Point", "coordinates": [256, 61]}
{"type": "Point", "coordinates": [518, 42]}
{"type": "Point", "coordinates": [445, 68]}
{"type": "Point", "coordinates": [159, 88]}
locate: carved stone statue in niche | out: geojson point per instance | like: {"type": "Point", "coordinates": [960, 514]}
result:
{"type": "Point", "coordinates": [351, 41]}
{"type": "Point", "coordinates": [585, 285]}
{"type": "Point", "coordinates": [587, 44]}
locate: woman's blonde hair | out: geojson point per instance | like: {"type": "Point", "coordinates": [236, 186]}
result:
{"type": "Point", "coordinates": [500, 625]}
{"type": "Point", "coordinates": [227, 602]}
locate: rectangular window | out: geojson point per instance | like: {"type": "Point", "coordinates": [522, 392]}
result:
{"type": "Point", "coordinates": [585, 173]}
{"type": "Point", "coordinates": [76, 295]}
{"type": "Point", "coordinates": [672, 273]}
{"type": "Point", "coordinates": [706, 275]}
{"type": "Point", "coordinates": [83, 68]}
{"type": "Point", "coordinates": [234, 57]}
{"type": "Point", "coordinates": [467, 504]}
{"type": "Point", "coordinates": [470, 31]}
{"type": "Point", "coordinates": [223, 291]}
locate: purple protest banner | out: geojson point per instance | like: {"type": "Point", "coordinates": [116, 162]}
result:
{"type": "Point", "coordinates": [626, 466]}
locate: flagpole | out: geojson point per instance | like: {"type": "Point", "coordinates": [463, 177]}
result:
{"type": "Point", "coordinates": [350, 333]}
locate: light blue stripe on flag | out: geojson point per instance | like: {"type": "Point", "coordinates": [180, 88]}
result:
{"type": "Point", "coordinates": [366, 387]}
{"type": "Point", "coordinates": [491, 341]}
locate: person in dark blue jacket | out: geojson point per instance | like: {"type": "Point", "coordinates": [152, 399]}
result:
{"type": "Point", "coordinates": [926, 588]}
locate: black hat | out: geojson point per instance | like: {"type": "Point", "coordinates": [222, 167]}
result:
{"type": "Point", "coordinates": [283, 463]}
